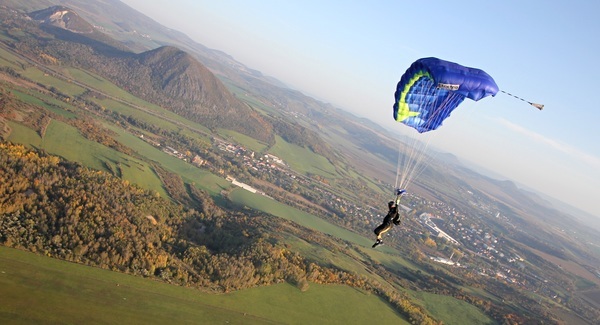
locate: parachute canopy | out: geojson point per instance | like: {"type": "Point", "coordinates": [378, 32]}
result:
{"type": "Point", "coordinates": [432, 88]}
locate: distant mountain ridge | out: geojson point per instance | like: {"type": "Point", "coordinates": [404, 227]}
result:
{"type": "Point", "coordinates": [320, 116]}
{"type": "Point", "coordinates": [63, 17]}
{"type": "Point", "coordinates": [174, 79]}
{"type": "Point", "coordinates": [185, 86]}
{"type": "Point", "coordinates": [166, 76]}
{"type": "Point", "coordinates": [354, 131]}
{"type": "Point", "coordinates": [140, 33]}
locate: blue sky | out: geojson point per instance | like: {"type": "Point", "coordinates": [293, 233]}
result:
{"type": "Point", "coordinates": [352, 54]}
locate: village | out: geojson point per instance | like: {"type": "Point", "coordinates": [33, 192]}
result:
{"type": "Point", "coordinates": [467, 235]}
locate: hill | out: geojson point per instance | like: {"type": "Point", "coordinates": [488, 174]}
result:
{"type": "Point", "coordinates": [172, 78]}
{"type": "Point", "coordinates": [165, 76]}
{"type": "Point", "coordinates": [72, 292]}
{"type": "Point", "coordinates": [76, 214]}
{"type": "Point", "coordinates": [56, 96]}
{"type": "Point", "coordinates": [63, 17]}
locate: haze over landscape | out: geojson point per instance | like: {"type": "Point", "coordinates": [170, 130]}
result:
{"type": "Point", "coordinates": [352, 54]}
{"type": "Point", "coordinates": [148, 178]}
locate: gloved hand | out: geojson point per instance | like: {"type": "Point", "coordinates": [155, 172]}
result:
{"type": "Point", "coordinates": [396, 222]}
{"type": "Point", "coordinates": [400, 191]}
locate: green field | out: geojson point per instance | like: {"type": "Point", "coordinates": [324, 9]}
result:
{"type": "Point", "coordinates": [248, 98]}
{"type": "Point", "coordinates": [42, 290]}
{"type": "Point", "coordinates": [35, 289]}
{"type": "Point", "coordinates": [303, 160]}
{"type": "Point", "coordinates": [8, 59]}
{"type": "Point", "coordinates": [64, 140]}
{"type": "Point", "coordinates": [244, 140]}
{"type": "Point", "coordinates": [23, 135]}
{"type": "Point", "coordinates": [47, 102]}
{"type": "Point", "coordinates": [453, 311]}
{"type": "Point", "coordinates": [386, 255]}
{"type": "Point", "coordinates": [99, 83]}
{"type": "Point", "coordinates": [263, 203]}
{"type": "Point", "coordinates": [63, 86]}
{"type": "Point", "coordinates": [127, 110]}
{"type": "Point", "coordinates": [190, 173]}
{"type": "Point", "coordinates": [160, 117]}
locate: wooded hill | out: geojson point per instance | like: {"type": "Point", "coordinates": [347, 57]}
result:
{"type": "Point", "coordinates": [165, 76]}
{"type": "Point", "coordinates": [89, 53]}
{"type": "Point", "coordinates": [67, 211]}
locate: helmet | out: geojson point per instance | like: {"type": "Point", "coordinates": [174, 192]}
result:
{"type": "Point", "coordinates": [391, 204]}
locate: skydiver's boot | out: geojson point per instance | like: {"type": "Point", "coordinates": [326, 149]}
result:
{"type": "Point", "coordinates": [378, 242]}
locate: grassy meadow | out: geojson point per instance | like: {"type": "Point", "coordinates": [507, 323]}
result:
{"type": "Point", "coordinates": [36, 289]}
{"type": "Point", "coordinates": [201, 178]}
{"type": "Point", "coordinates": [127, 110]}
{"type": "Point", "coordinates": [248, 98]}
{"type": "Point", "coordinates": [302, 160]}
{"type": "Point", "coordinates": [42, 77]}
{"type": "Point", "coordinates": [47, 102]}
{"type": "Point", "coordinates": [386, 255]}
{"type": "Point", "coordinates": [94, 81]}
{"type": "Point", "coordinates": [452, 311]}
{"type": "Point", "coordinates": [244, 140]}
{"type": "Point", "coordinates": [43, 290]}
{"type": "Point", "coordinates": [268, 205]}
{"type": "Point", "coordinates": [64, 140]}
{"type": "Point", "coordinates": [7, 59]}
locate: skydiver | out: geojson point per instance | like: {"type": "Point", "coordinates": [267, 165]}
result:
{"type": "Point", "coordinates": [392, 218]}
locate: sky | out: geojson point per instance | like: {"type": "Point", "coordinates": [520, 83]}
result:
{"type": "Point", "coordinates": [352, 54]}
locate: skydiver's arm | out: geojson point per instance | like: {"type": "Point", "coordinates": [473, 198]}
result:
{"type": "Point", "coordinates": [399, 193]}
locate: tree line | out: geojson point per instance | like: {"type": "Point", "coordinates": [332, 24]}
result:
{"type": "Point", "coordinates": [63, 210]}
{"type": "Point", "coordinates": [205, 250]}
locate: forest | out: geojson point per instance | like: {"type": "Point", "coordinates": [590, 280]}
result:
{"type": "Point", "coordinates": [63, 210]}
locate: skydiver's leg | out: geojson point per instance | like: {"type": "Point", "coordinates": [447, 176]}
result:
{"type": "Point", "coordinates": [383, 230]}
{"type": "Point", "coordinates": [380, 231]}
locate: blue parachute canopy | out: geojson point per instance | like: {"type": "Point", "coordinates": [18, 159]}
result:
{"type": "Point", "coordinates": [432, 88]}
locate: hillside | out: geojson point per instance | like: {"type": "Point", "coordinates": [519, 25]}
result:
{"type": "Point", "coordinates": [95, 105]}
{"type": "Point", "coordinates": [166, 76]}
{"type": "Point", "coordinates": [72, 213]}
{"type": "Point", "coordinates": [63, 17]}
{"type": "Point", "coordinates": [172, 78]}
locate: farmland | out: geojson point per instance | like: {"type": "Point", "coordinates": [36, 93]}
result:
{"type": "Point", "coordinates": [37, 289]}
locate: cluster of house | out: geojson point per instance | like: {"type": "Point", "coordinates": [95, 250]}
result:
{"type": "Point", "coordinates": [481, 242]}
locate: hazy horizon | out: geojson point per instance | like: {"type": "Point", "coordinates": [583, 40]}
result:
{"type": "Point", "coordinates": [353, 54]}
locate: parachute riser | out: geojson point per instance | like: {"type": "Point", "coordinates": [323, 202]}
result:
{"type": "Point", "coordinates": [538, 106]}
